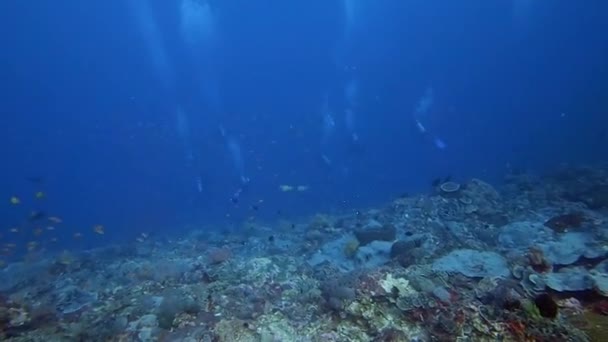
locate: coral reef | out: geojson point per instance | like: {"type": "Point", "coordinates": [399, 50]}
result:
{"type": "Point", "coordinates": [524, 262]}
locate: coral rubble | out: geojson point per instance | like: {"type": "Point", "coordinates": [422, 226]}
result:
{"type": "Point", "coordinates": [526, 262]}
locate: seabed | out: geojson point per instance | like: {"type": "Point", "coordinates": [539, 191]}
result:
{"type": "Point", "coordinates": [526, 262]}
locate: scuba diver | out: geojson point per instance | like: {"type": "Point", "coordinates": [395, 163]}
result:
{"type": "Point", "coordinates": [237, 159]}
{"type": "Point", "coordinates": [237, 194]}
{"type": "Point", "coordinates": [421, 113]}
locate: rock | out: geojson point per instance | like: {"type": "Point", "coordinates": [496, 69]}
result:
{"type": "Point", "coordinates": [373, 255]}
{"type": "Point", "coordinates": [442, 294]}
{"type": "Point", "coordinates": [332, 252]}
{"type": "Point", "coordinates": [367, 234]}
{"type": "Point", "coordinates": [402, 247]}
{"type": "Point", "coordinates": [71, 299]}
{"type": "Point", "coordinates": [406, 252]}
{"type": "Point", "coordinates": [473, 264]}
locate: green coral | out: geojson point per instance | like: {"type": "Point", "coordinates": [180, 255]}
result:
{"type": "Point", "coordinates": [531, 310]}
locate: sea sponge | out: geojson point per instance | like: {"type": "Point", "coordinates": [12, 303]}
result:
{"type": "Point", "coordinates": [449, 187]}
{"type": "Point", "coordinates": [351, 248]}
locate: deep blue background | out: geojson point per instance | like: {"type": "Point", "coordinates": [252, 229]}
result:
{"type": "Point", "coordinates": [85, 106]}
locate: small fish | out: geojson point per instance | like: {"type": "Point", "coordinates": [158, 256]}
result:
{"type": "Point", "coordinates": [55, 219]}
{"type": "Point", "coordinates": [285, 188]}
{"type": "Point", "coordinates": [14, 230]}
{"type": "Point", "coordinates": [65, 258]}
{"type": "Point", "coordinates": [50, 228]}
{"type": "Point", "coordinates": [54, 239]}
{"type": "Point", "coordinates": [99, 229]}
{"type": "Point", "coordinates": [40, 195]}
{"type": "Point", "coordinates": [77, 235]}
{"type": "Point", "coordinates": [36, 215]}
{"type": "Point", "coordinates": [32, 245]}
{"type": "Point", "coordinates": [302, 187]}
{"type": "Point", "coordinates": [255, 207]}
{"type": "Point", "coordinates": [15, 200]}
{"type": "Point", "coordinates": [37, 231]}
{"type": "Point", "coordinates": [35, 180]}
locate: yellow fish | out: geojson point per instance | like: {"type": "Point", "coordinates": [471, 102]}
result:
{"type": "Point", "coordinates": [40, 195]}
{"type": "Point", "coordinates": [302, 187]}
{"type": "Point", "coordinates": [99, 229]}
{"type": "Point", "coordinates": [15, 200]}
{"type": "Point", "coordinates": [286, 188]}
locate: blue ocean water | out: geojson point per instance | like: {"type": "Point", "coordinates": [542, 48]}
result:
{"type": "Point", "coordinates": [148, 116]}
{"type": "Point", "coordinates": [321, 170]}
{"type": "Point", "coordinates": [93, 95]}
